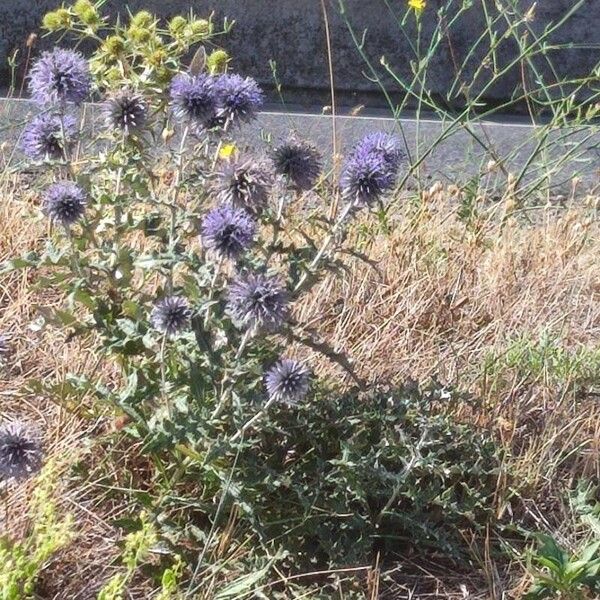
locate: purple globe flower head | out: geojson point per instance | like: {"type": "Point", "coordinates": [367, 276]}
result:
{"type": "Point", "coordinates": [60, 76]}
{"type": "Point", "coordinates": [298, 161]}
{"type": "Point", "coordinates": [125, 112]}
{"type": "Point", "coordinates": [238, 99]}
{"type": "Point", "coordinates": [287, 381]}
{"type": "Point", "coordinates": [245, 182]}
{"type": "Point", "coordinates": [64, 202]}
{"type": "Point", "coordinates": [257, 302]}
{"type": "Point", "coordinates": [193, 98]}
{"type": "Point", "coordinates": [21, 452]}
{"type": "Point", "coordinates": [366, 177]}
{"type": "Point", "coordinates": [228, 230]}
{"type": "Point", "coordinates": [48, 136]}
{"type": "Point", "coordinates": [171, 315]}
{"type": "Point", "coordinates": [381, 143]}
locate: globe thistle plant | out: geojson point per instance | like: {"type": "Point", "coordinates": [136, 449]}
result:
{"type": "Point", "coordinates": [228, 230]}
{"type": "Point", "coordinates": [238, 98]}
{"type": "Point", "coordinates": [299, 162]}
{"type": "Point", "coordinates": [20, 451]}
{"type": "Point", "coordinates": [171, 315]}
{"type": "Point", "coordinates": [245, 182]}
{"type": "Point", "coordinates": [193, 99]}
{"type": "Point", "coordinates": [126, 112]}
{"type": "Point", "coordinates": [257, 302]}
{"type": "Point", "coordinates": [64, 202]}
{"type": "Point", "coordinates": [48, 136]}
{"type": "Point", "coordinates": [287, 381]}
{"type": "Point", "coordinates": [58, 77]}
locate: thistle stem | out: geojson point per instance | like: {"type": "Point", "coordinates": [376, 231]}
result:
{"type": "Point", "coordinates": [253, 420]}
{"type": "Point", "coordinates": [163, 375]}
{"type": "Point", "coordinates": [317, 259]}
{"type": "Point", "coordinates": [226, 391]}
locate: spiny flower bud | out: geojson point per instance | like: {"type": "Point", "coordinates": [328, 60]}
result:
{"type": "Point", "coordinates": [125, 111]}
{"type": "Point", "coordinates": [82, 6]}
{"type": "Point", "coordinates": [177, 25]}
{"type": "Point", "coordinates": [299, 162]}
{"type": "Point", "coordinates": [114, 45]}
{"type": "Point", "coordinates": [216, 62]}
{"type": "Point", "coordinates": [246, 182]}
{"type": "Point", "coordinates": [139, 35]}
{"type": "Point", "coordinates": [171, 315]}
{"type": "Point", "coordinates": [200, 27]}
{"type": "Point", "coordinates": [287, 381]}
{"type": "Point", "coordinates": [21, 452]}
{"type": "Point", "coordinates": [57, 20]}
{"type": "Point", "coordinates": [87, 13]}
{"type": "Point", "coordinates": [257, 302]}
{"type": "Point", "coordinates": [142, 19]}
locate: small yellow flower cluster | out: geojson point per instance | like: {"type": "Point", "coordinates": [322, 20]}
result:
{"type": "Point", "coordinates": [418, 5]}
{"type": "Point", "coordinates": [227, 151]}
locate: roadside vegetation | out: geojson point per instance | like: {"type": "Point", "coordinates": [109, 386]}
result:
{"type": "Point", "coordinates": [235, 372]}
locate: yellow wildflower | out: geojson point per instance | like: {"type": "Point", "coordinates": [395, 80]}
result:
{"type": "Point", "coordinates": [418, 5]}
{"type": "Point", "coordinates": [227, 151]}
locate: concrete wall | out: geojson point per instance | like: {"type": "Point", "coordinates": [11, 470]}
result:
{"type": "Point", "coordinates": [291, 32]}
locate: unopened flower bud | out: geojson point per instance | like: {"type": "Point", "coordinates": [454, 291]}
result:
{"type": "Point", "coordinates": [216, 61]}
{"type": "Point", "coordinates": [177, 25]}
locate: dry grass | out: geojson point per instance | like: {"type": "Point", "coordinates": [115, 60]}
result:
{"type": "Point", "coordinates": [441, 298]}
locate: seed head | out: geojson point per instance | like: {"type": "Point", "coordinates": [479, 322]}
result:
{"type": "Point", "coordinates": [298, 161]}
{"type": "Point", "coordinates": [114, 45]}
{"type": "Point", "coordinates": [216, 61]}
{"type": "Point", "coordinates": [65, 202]}
{"type": "Point", "coordinates": [177, 25]}
{"type": "Point", "coordinates": [228, 230]}
{"type": "Point", "coordinates": [257, 302]}
{"type": "Point", "coordinates": [126, 112]}
{"type": "Point", "coordinates": [245, 182]}
{"type": "Point", "coordinates": [287, 381]}
{"type": "Point", "coordinates": [171, 315]}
